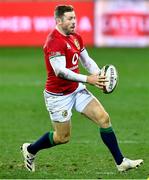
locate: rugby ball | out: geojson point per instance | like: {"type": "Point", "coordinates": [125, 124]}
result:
{"type": "Point", "coordinates": [111, 76]}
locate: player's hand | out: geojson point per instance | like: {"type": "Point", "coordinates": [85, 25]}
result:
{"type": "Point", "coordinates": [97, 80]}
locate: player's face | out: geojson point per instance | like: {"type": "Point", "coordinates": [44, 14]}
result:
{"type": "Point", "coordinates": [68, 22]}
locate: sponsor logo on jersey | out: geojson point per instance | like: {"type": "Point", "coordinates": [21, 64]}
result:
{"type": "Point", "coordinates": [75, 59]}
{"type": "Point", "coordinates": [77, 44]}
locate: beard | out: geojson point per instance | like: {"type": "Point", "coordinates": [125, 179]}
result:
{"type": "Point", "coordinates": [69, 31]}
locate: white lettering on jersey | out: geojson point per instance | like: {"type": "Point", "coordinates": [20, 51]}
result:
{"type": "Point", "coordinates": [75, 59]}
{"type": "Point", "coordinates": [74, 67]}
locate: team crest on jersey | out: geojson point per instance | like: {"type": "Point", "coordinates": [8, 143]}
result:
{"type": "Point", "coordinates": [77, 44]}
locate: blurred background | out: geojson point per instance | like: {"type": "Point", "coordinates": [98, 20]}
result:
{"type": "Point", "coordinates": [100, 22]}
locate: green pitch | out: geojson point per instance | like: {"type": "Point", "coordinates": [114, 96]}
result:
{"type": "Point", "coordinates": [23, 117]}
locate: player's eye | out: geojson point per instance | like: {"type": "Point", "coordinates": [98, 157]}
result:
{"type": "Point", "coordinates": [70, 18]}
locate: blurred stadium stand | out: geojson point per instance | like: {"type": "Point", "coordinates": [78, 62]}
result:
{"type": "Point", "coordinates": [101, 23]}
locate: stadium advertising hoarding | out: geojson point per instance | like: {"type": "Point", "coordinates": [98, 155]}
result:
{"type": "Point", "coordinates": [28, 23]}
{"type": "Point", "coordinates": [122, 23]}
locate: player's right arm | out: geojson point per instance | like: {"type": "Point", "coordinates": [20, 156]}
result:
{"type": "Point", "coordinates": [58, 64]}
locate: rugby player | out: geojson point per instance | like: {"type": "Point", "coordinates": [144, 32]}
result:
{"type": "Point", "coordinates": [65, 89]}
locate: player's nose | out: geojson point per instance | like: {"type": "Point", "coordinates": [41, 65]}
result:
{"type": "Point", "coordinates": [73, 20]}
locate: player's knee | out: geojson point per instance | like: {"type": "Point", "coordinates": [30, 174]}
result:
{"type": "Point", "coordinates": [105, 120]}
{"type": "Point", "coordinates": [101, 118]}
{"type": "Point", "coordinates": [62, 139]}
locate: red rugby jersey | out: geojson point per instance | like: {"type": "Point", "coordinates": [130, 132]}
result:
{"type": "Point", "coordinates": [60, 45]}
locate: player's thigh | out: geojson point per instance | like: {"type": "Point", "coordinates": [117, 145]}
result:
{"type": "Point", "coordinates": [62, 131]}
{"type": "Point", "coordinates": [96, 112]}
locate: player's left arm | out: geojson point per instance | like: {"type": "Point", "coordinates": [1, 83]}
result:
{"type": "Point", "coordinates": [89, 63]}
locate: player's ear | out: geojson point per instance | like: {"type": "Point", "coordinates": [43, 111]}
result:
{"type": "Point", "coordinates": [58, 21]}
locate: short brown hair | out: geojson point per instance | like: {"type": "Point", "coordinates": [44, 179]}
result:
{"type": "Point", "coordinates": [61, 9]}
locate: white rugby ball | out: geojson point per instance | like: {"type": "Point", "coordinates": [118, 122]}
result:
{"type": "Point", "coordinates": [111, 76]}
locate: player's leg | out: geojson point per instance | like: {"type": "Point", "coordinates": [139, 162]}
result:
{"type": "Point", "coordinates": [60, 135]}
{"type": "Point", "coordinates": [62, 132]}
{"type": "Point", "coordinates": [59, 108]}
{"type": "Point", "coordinates": [88, 105]}
{"type": "Point", "coordinates": [95, 111]}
